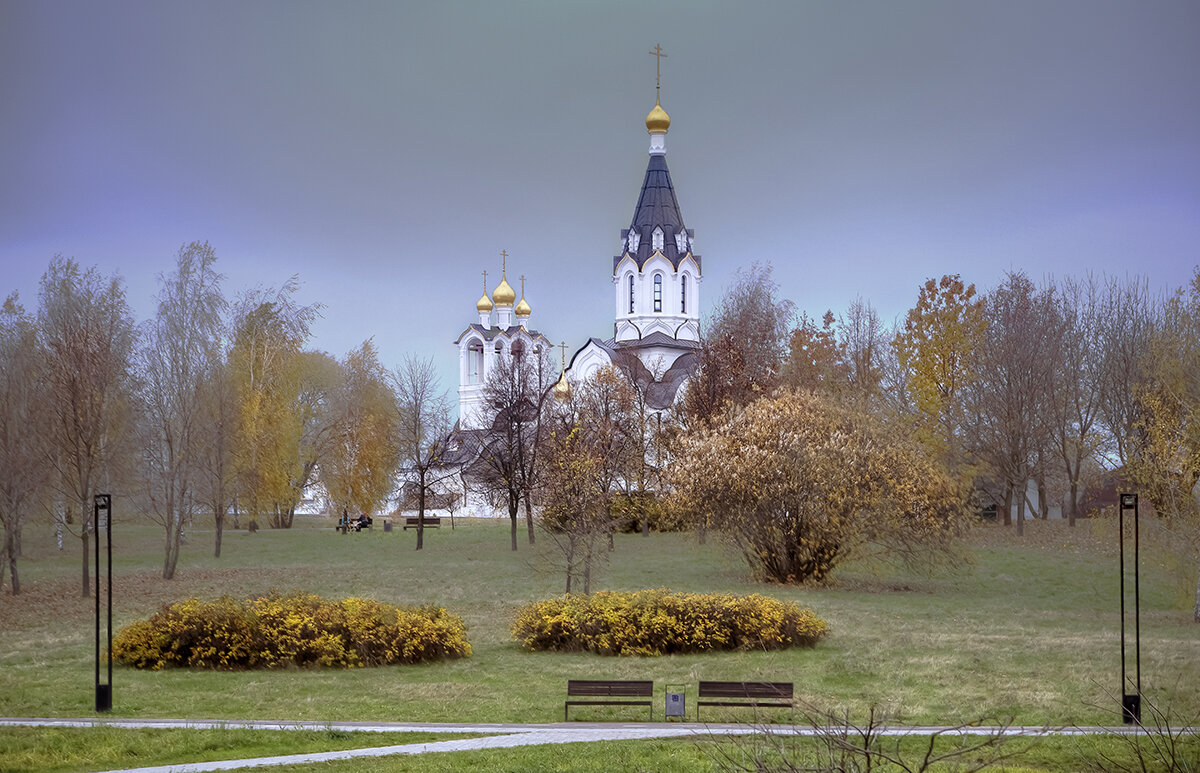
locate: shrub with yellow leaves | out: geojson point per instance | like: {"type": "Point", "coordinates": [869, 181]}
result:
{"type": "Point", "coordinates": [294, 630]}
{"type": "Point", "coordinates": [659, 622]}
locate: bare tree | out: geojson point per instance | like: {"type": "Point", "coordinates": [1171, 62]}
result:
{"type": "Point", "coordinates": [862, 342]}
{"type": "Point", "coordinates": [180, 346]}
{"type": "Point", "coordinates": [23, 469]}
{"type": "Point", "coordinates": [744, 349]}
{"type": "Point", "coordinates": [1127, 319]}
{"type": "Point", "coordinates": [87, 334]}
{"type": "Point", "coordinates": [215, 484]}
{"type": "Point", "coordinates": [1015, 361]}
{"type": "Point", "coordinates": [1075, 391]}
{"type": "Point", "coordinates": [422, 429]}
{"type": "Point", "coordinates": [516, 394]}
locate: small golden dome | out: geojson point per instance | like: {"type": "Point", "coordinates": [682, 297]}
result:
{"type": "Point", "coordinates": [484, 304]}
{"type": "Point", "coordinates": [562, 389]}
{"type": "Point", "coordinates": [504, 295]}
{"type": "Point", "coordinates": [657, 120]}
{"type": "Point", "coordinates": [523, 309]}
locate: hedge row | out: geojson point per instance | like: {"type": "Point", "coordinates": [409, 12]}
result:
{"type": "Point", "coordinates": [294, 630]}
{"type": "Point", "coordinates": [659, 622]}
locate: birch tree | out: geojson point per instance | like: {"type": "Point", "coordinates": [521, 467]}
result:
{"type": "Point", "coordinates": [86, 332]}
{"type": "Point", "coordinates": [24, 471]}
{"type": "Point", "coordinates": [269, 329]}
{"type": "Point", "coordinates": [181, 346]}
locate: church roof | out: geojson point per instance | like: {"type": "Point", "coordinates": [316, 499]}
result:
{"type": "Point", "coordinates": [491, 333]}
{"type": "Point", "coordinates": [656, 207]}
{"type": "Point", "coordinates": [657, 338]}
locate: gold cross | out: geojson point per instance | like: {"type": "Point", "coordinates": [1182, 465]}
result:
{"type": "Point", "coordinates": [485, 281]}
{"type": "Point", "coordinates": [563, 346]}
{"type": "Point", "coordinates": [522, 285]}
{"type": "Point", "coordinates": [658, 55]}
{"type": "Point", "coordinates": [503, 262]}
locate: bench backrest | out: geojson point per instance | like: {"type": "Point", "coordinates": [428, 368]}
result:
{"type": "Point", "coordinates": [614, 688]}
{"type": "Point", "coordinates": [746, 690]}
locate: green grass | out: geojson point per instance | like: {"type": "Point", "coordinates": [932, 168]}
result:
{"type": "Point", "coordinates": [61, 750]}
{"type": "Point", "coordinates": [1027, 631]}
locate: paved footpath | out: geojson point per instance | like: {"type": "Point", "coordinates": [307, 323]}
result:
{"type": "Point", "coordinates": [499, 736]}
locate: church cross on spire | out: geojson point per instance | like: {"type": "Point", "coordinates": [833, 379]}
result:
{"type": "Point", "coordinates": [658, 55]}
{"type": "Point", "coordinates": [563, 347]}
{"type": "Point", "coordinates": [503, 262]}
{"type": "Point", "coordinates": [522, 285]}
{"type": "Point", "coordinates": [485, 281]}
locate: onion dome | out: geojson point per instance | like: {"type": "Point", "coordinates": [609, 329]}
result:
{"type": "Point", "coordinates": [523, 309]}
{"type": "Point", "coordinates": [657, 120]}
{"type": "Point", "coordinates": [562, 389]}
{"type": "Point", "coordinates": [484, 304]}
{"type": "Point", "coordinates": [504, 294]}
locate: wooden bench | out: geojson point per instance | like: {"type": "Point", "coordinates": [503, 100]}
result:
{"type": "Point", "coordinates": [601, 692]}
{"type": "Point", "coordinates": [769, 694]}
{"type": "Point", "coordinates": [427, 522]}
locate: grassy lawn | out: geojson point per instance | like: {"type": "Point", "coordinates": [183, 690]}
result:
{"type": "Point", "coordinates": [60, 750]}
{"type": "Point", "coordinates": [1026, 631]}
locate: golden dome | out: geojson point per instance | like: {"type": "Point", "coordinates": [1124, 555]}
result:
{"type": "Point", "coordinates": [562, 389]}
{"type": "Point", "coordinates": [484, 304]}
{"type": "Point", "coordinates": [657, 120]}
{"type": "Point", "coordinates": [504, 295]}
{"type": "Point", "coordinates": [523, 309]}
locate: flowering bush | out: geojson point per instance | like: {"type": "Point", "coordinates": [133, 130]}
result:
{"type": "Point", "coordinates": [659, 622]}
{"type": "Point", "coordinates": [294, 630]}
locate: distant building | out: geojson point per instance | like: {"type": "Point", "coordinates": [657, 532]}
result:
{"type": "Point", "coordinates": [656, 282]}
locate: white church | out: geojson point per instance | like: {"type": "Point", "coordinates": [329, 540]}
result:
{"type": "Point", "coordinates": [656, 317]}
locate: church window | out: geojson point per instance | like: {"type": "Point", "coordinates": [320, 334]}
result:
{"type": "Point", "coordinates": [656, 240]}
{"type": "Point", "coordinates": [658, 292]}
{"type": "Point", "coordinates": [681, 242]}
{"type": "Point", "coordinates": [683, 294]}
{"type": "Point", "coordinates": [631, 293]}
{"type": "Point", "coordinates": [635, 239]}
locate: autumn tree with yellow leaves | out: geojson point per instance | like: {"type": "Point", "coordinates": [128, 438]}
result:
{"type": "Point", "coordinates": [934, 347]}
{"type": "Point", "coordinates": [799, 483]}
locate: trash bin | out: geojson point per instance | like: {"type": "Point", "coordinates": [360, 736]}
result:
{"type": "Point", "coordinates": [387, 525]}
{"type": "Point", "coordinates": [676, 701]}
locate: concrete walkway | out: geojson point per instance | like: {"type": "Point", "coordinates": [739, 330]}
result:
{"type": "Point", "coordinates": [499, 736]}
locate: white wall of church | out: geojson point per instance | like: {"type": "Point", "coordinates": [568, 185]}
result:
{"type": "Point", "coordinates": [657, 298]}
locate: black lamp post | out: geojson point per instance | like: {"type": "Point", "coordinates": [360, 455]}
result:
{"type": "Point", "coordinates": [103, 504]}
{"type": "Point", "coordinates": [1131, 703]}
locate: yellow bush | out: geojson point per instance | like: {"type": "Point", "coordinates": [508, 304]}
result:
{"type": "Point", "coordinates": [294, 630]}
{"type": "Point", "coordinates": [659, 622]}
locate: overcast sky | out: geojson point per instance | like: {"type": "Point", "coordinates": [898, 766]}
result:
{"type": "Point", "coordinates": [387, 152]}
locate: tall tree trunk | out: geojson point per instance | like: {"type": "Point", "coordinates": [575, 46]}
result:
{"type": "Point", "coordinates": [1073, 511]}
{"type": "Point", "coordinates": [421, 512]}
{"type": "Point", "coordinates": [219, 521]}
{"type": "Point", "coordinates": [1008, 499]}
{"type": "Point", "coordinates": [1043, 505]}
{"type": "Point", "coordinates": [513, 507]}
{"type": "Point", "coordinates": [1195, 612]}
{"type": "Point", "coordinates": [529, 517]}
{"type": "Point", "coordinates": [86, 587]}
{"type": "Point", "coordinates": [11, 556]}
{"type": "Point", "coordinates": [1021, 516]}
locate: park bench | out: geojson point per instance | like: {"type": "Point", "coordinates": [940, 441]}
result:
{"type": "Point", "coordinates": [756, 694]}
{"type": "Point", "coordinates": [416, 520]}
{"type": "Point", "coordinates": [601, 693]}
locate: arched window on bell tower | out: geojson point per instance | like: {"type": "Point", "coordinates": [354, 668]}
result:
{"type": "Point", "coordinates": [683, 294]}
{"type": "Point", "coordinates": [658, 292]}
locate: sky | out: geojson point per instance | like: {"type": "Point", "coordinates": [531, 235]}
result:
{"type": "Point", "coordinates": [387, 152]}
